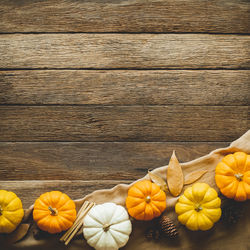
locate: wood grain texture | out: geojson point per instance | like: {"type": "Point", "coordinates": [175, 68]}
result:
{"type": "Point", "coordinates": [123, 123]}
{"type": "Point", "coordinates": [92, 161]}
{"type": "Point", "coordinates": [174, 51]}
{"type": "Point", "coordinates": [125, 87]}
{"type": "Point", "coordinates": [29, 191]}
{"type": "Point", "coordinates": [223, 16]}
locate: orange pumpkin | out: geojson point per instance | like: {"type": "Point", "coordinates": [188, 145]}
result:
{"type": "Point", "coordinates": [232, 176]}
{"type": "Point", "coordinates": [54, 212]}
{"type": "Point", "coordinates": [145, 200]}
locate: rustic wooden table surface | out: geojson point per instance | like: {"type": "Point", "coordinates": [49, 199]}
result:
{"type": "Point", "coordinates": [93, 93]}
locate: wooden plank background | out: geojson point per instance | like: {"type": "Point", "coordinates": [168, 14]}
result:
{"type": "Point", "coordinates": [94, 93]}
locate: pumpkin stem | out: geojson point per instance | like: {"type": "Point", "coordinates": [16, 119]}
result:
{"type": "Point", "coordinates": [1, 210]}
{"type": "Point", "coordinates": [106, 227]}
{"type": "Point", "coordinates": [53, 211]}
{"type": "Point", "coordinates": [148, 199]}
{"type": "Point", "coordinates": [239, 176]}
{"type": "Point", "coordinates": [198, 208]}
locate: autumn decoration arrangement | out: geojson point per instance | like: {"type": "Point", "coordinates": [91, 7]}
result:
{"type": "Point", "coordinates": [108, 225]}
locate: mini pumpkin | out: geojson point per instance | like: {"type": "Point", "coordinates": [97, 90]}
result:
{"type": "Point", "coordinates": [145, 200]}
{"type": "Point", "coordinates": [107, 226]}
{"type": "Point", "coordinates": [11, 211]}
{"type": "Point", "coordinates": [199, 207]}
{"type": "Point", "coordinates": [232, 176]}
{"type": "Point", "coordinates": [54, 212]}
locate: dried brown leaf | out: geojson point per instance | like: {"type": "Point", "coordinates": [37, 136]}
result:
{"type": "Point", "coordinates": [159, 181]}
{"type": "Point", "coordinates": [18, 234]}
{"type": "Point", "coordinates": [175, 177]}
{"type": "Point", "coordinates": [194, 176]}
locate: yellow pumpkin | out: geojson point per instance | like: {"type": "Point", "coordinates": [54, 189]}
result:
{"type": "Point", "coordinates": [145, 200]}
{"type": "Point", "coordinates": [54, 212]}
{"type": "Point", "coordinates": [199, 207]}
{"type": "Point", "coordinates": [232, 176]}
{"type": "Point", "coordinates": [11, 211]}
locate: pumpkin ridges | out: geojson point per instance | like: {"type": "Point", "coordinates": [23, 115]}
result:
{"type": "Point", "coordinates": [240, 193]}
{"type": "Point", "coordinates": [192, 222]}
{"type": "Point", "coordinates": [14, 216]}
{"type": "Point", "coordinates": [159, 196]}
{"type": "Point", "coordinates": [42, 223]}
{"type": "Point", "coordinates": [223, 169]}
{"type": "Point", "coordinates": [140, 216]}
{"type": "Point", "coordinates": [188, 194]}
{"type": "Point", "coordinates": [68, 205]}
{"type": "Point", "coordinates": [54, 198]}
{"type": "Point", "coordinates": [14, 204]}
{"type": "Point", "coordinates": [135, 191]}
{"type": "Point", "coordinates": [155, 190]}
{"type": "Point", "coordinates": [40, 204]}
{"type": "Point", "coordinates": [230, 161]}
{"type": "Point", "coordinates": [210, 195]}
{"type": "Point", "coordinates": [183, 217]}
{"type": "Point", "coordinates": [199, 191]}
{"type": "Point", "coordinates": [204, 222]}
{"type": "Point", "coordinates": [44, 199]}
{"type": "Point", "coordinates": [8, 197]}
{"type": "Point", "coordinates": [240, 159]}
{"type": "Point", "coordinates": [185, 200]}
{"type": "Point", "coordinates": [149, 212]}
{"type": "Point", "coordinates": [223, 181]}
{"type": "Point", "coordinates": [156, 209]}
{"type": "Point", "coordinates": [62, 201]}
{"type": "Point", "coordinates": [246, 177]}
{"type": "Point", "coordinates": [247, 164]}
{"type": "Point", "coordinates": [215, 203]}
{"type": "Point", "coordinates": [134, 201]}
{"type": "Point", "coordinates": [138, 209]}
{"type": "Point", "coordinates": [214, 212]}
{"type": "Point", "coordinates": [230, 189]}
{"type": "Point", "coordinates": [9, 221]}
{"type": "Point", "coordinates": [160, 205]}
{"type": "Point", "coordinates": [66, 218]}
{"type": "Point", "coordinates": [11, 226]}
{"type": "Point", "coordinates": [145, 187]}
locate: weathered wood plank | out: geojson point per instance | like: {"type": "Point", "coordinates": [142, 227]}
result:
{"type": "Point", "coordinates": [97, 51]}
{"type": "Point", "coordinates": [123, 123]}
{"type": "Point", "coordinates": [29, 191]}
{"type": "Point", "coordinates": [224, 16]}
{"type": "Point", "coordinates": [125, 87]}
{"type": "Point", "coordinates": [90, 161]}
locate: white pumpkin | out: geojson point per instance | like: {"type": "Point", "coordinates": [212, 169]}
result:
{"type": "Point", "coordinates": [107, 227]}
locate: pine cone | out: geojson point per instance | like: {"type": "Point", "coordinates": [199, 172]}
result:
{"type": "Point", "coordinates": [231, 212]}
{"type": "Point", "coordinates": [152, 234]}
{"type": "Point", "coordinates": [167, 227]}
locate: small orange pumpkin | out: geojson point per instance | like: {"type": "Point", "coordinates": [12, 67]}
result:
{"type": "Point", "coordinates": [54, 212]}
{"type": "Point", "coordinates": [145, 200]}
{"type": "Point", "coordinates": [232, 176]}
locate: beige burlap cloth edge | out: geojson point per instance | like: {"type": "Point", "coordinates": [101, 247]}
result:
{"type": "Point", "coordinates": [219, 237]}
